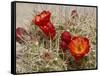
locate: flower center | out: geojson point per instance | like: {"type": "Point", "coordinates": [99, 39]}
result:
{"type": "Point", "coordinates": [79, 47]}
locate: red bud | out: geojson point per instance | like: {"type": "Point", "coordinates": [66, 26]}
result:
{"type": "Point", "coordinates": [65, 36]}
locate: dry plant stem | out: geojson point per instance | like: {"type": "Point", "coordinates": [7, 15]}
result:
{"type": "Point", "coordinates": [50, 44]}
{"type": "Point", "coordinates": [58, 43]}
{"type": "Point", "coordinates": [61, 15]}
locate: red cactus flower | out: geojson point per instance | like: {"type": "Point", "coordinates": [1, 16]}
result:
{"type": "Point", "coordinates": [45, 16]}
{"type": "Point", "coordinates": [19, 33]}
{"type": "Point", "coordinates": [63, 46]}
{"type": "Point", "coordinates": [43, 21]}
{"type": "Point", "coordinates": [79, 47]}
{"type": "Point", "coordinates": [37, 20]}
{"type": "Point", "coordinates": [74, 13]}
{"type": "Point", "coordinates": [66, 36]}
{"type": "Point", "coordinates": [49, 30]}
{"type": "Point", "coordinates": [65, 40]}
{"type": "Point", "coordinates": [41, 18]}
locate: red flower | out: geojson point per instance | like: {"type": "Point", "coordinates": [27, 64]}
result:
{"type": "Point", "coordinates": [41, 18]}
{"type": "Point", "coordinates": [65, 40]}
{"type": "Point", "coordinates": [79, 47]}
{"type": "Point", "coordinates": [74, 13]}
{"type": "Point", "coordinates": [48, 29]}
{"type": "Point", "coordinates": [43, 21]}
{"type": "Point", "coordinates": [63, 46]}
{"type": "Point", "coordinates": [37, 20]}
{"type": "Point", "coordinates": [65, 36]}
{"type": "Point", "coordinates": [45, 16]}
{"type": "Point", "coordinates": [19, 33]}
